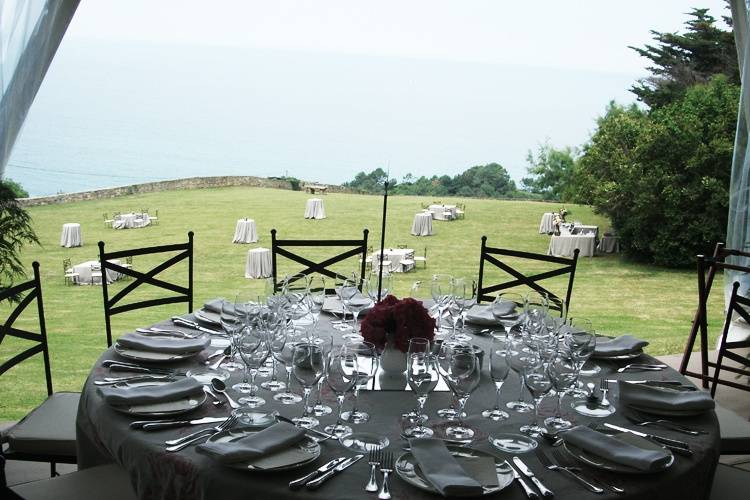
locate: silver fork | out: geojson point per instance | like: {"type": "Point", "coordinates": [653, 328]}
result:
{"type": "Point", "coordinates": [569, 462]}
{"type": "Point", "coordinates": [374, 461]}
{"type": "Point", "coordinates": [184, 442]}
{"type": "Point", "coordinates": [604, 388]}
{"type": "Point", "coordinates": [641, 420]}
{"type": "Point", "coordinates": [546, 462]}
{"type": "Point", "coordinates": [386, 467]}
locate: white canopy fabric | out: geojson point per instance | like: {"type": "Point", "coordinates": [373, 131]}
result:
{"type": "Point", "coordinates": [30, 32]}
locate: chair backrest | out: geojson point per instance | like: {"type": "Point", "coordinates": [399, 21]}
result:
{"type": "Point", "coordinates": [28, 291]}
{"type": "Point", "coordinates": [358, 249]}
{"type": "Point", "coordinates": [497, 257]}
{"type": "Point", "coordinates": [180, 293]}
{"type": "Point", "coordinates": [425, 252]}
{"type": "Point", "coordinates": [707, 268]}
{"type": "Point", "coordinates": [66, 265]}
{"type": "Point", "coordinates": [739, 306]}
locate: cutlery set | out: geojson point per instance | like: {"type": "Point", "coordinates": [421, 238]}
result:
{"type": "Point", "coordinates": [317, 477]}
{"type": "Point", "coordinates": [572, 472]}
{"type": "Point", "coordinates": [177, 320]}
{"type": "Point", "coordinates": [673, 445]}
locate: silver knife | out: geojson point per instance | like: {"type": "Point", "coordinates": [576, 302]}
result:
{"type": "Point", "coordinates": [526, 488]}
{"type": "Point", "coordinates": [315, 483]}
{"type": "Point", "coordinates": [192, 324]}
{"type": "Point", "coordinates": [299, 483]}
{"type": "Point", "coordinates": [679, 447]}
{"type": "Point", "coordinates": [530, 474]}
{"type": "Point", "coordinates": [167, 424]}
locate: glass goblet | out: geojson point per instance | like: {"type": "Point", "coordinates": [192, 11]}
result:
{"type": "Point", "coordinates": [538, 381]}
{"type": "Point", "coordinates": [563, 370]}
{"type": "Point", "coordinates": [308, 365]}
{"type": "Point", "coordinates": [282, 350]}
{"type": "Point", "coordinates": [518, 355]}
{"type": "Point", "coordinates": [417, 345]}
{"type": "Point", "coordinates": [443, 358]}
{"type": "Point", "coordinates": [440, 288]}
{"type": "Point", "coordinates": [464, 295]}
{"type": "Point", "coordinates": [341, 373]}
{"type": "Point", "coordinates": [422, 376]}
{"type": "Point", "coordinates": [464, 373]}
{"type": "Point", "coordinates": [325, 341]}
{"type": "Point", "coordinates": [274, 325]}
{"type": "Point", "coordinates": [367, 363]}
{"type": "Point", "coordinates": [254, 351]}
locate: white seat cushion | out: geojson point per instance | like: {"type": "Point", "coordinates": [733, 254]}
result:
{"type": "Point", "coordinates": [109, 482]}
{"type": "Point", "coordinates": [49, 429]}
{"type": "Point", "coordinates": [420, 258]}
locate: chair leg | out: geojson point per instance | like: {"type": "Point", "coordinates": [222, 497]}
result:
{"type": "Point", "coordinates": [53, 469]}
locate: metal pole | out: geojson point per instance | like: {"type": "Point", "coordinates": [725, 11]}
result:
{"type": "Point", "coordinates": [382, 241]}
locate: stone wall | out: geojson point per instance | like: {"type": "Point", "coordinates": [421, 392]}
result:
{"type": "Point", "coordinates": [188, 183]}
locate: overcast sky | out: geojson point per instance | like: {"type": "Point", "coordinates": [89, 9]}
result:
{"type": "Point", "coordinates": [581, 34]}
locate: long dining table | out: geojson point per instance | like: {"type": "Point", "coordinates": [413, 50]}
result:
{"type": "Point", "coordinates": [104, 436]}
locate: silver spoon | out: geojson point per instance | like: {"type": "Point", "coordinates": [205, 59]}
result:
{"type": "Point", "coordinates": [221, 359]}
{"type": "Point", "coordinates": [219, 386]}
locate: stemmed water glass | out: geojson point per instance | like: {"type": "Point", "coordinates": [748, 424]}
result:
{"type": "Point", "coordinates": [417, 346]}
{"type": "Point", "coordinates": [316, 294]}
{"type": "Point", "coordinates": [254, 350]}
{"type": "Point", "coordinates": [341, 374]}
{"type": "Point", "coordinates": [367, 363]}
{"type": "Point", "coordinates": [443, 360]}
{"type": "Point", "coordinates": [499, 368]}
{"type": "Point", "coordinates": [371, 285]}
{"type": "Point", "coordinates": [463, 296]}
{"type": "Point", "coordinates": [441, 293]}
{"type": "Point", "coordinates": [536, 308]}
{"type": "Point", "coordinates": [294, 291]}
{"type": "Point", "coordinates": [274, 324]}
{"type": "Point", "coordinates": [422, 376]}
{"type": "Point", "coordinates": [232, 325]}
{"type": "Point", "coordinates": [518, 353]}
{"type": "Point", "coordinates": [325, 341]}
{"type": "Point", "coordinates": [580, 339]}
{"type": "Point", "coordinates": [537, 380]}
{"type": "Point", "coordinates": [308, 365]}
{"type": "Point", "coordinates": [464, 373]}
{"type": "Point", "coordinates": [282, 348]}
{"type": "Point", "coordinates": [354, 302]}
{"type": "Point", "coordinates": [563, 372]}
{"type": "Point", "coordinates": [505, 309]}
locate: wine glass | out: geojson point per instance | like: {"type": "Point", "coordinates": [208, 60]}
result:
{"type": "Point", "coordinates": [538, 381]}
{"type": "Point", "coordinates": [325, 341]}
{"type": "Point", "coordinates": [294, 291]}
{"type": "Point", "coordinates": [463, 292]}
{"type": "Point", "coordinates": [563, 370]}
{"type": "Point", "coordinates": [371, 285]}
{"type": "Point", "coordinates": [584, 329]}
{"type": "Point", "coordinates": [340, 292]}
{"type": "Point", "coordinates": [507, 308]}
{"type": "Point", "coordinates": [417, 346]}
{"type": "Point", "coordinates": [518, 352]}
{"type": "Point", "coordinates": [316, 293]}
{"type": "Point", "coordinates": [499, 368]}
{"type": "Point", "coordinates": [341, 375]}
{"type": "Point", "coordinates": [283, 350]}
{"type": "Point", "coordinates": [254, 351]}
{"type": "Point", "coordinates": [422, 376]}
{"type": "Point", "coordinates": [441, 293]}
{"type": "Point", "coordinates": [443, 359]}
{"type": "Point", "coordinates": [355, 302]}
{"type": "Point", "coordinates": [274, 323]}
{"type": "Point", "coordinates": [308, 365]}
{"type": "Point", "coordinates": [232, 326]}
{"type": "Point", "coordinates": [367, 363]}
{"type": "Point", "coordinates": [580, 339]}
{"type": "Point", "coordinates": [536, 308]}
{"type": "Point", "coordinates": [464, 373]}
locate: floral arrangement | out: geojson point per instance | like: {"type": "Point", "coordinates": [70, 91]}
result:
{"type": "Point", "coordinates": [404, 319]}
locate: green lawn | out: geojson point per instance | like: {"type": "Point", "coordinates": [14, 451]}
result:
{"type": "Point", "coordinates": [618, 296]}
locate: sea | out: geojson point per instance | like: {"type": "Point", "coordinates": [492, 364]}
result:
{"type": "Point", "coordinates": [111, 114]}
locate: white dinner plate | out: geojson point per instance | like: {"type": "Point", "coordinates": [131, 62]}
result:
{"type": "Point", "coordinates": [605, 464]}
{"type": "Point", "coordinates": [408, 469]}
{"type": "Point", "coordinates": [301, 453]}
{"type": "Point", "coordinates": [164, 409]}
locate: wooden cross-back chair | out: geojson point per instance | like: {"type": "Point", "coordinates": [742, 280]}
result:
{"type": "Point", "coordinates": [279, 248]}
{"type": "Point", "coordinates": [707, 269]}
{"type": "Point", "coordinates": [47, 433]}
{"type": "Point", "coordinates": [181, 293]}
{"type": "Point", "coordinates": [495, 256]}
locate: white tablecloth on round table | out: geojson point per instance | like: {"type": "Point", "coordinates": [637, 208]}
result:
{"type": "Point", "coordinates": [245, 232]}
{"type": "Point", "coordinates": [585, 229]}
{"type": "Point", "coordinates": [84, 273]}
{"type": "Point", "coordinates": [131, 221]}
{"type": "Point", "coordinates": [422, 225]}
{"type": "Point", "coordinates": [258, 264]}
{"type": "Point", "coordinates": [314, 209]}
{"type": "Point", "coordinates": [563, 246]}
{"type": "Point", "coordinates": [443, 212]}
{"type": "Point", "coordinates": [609, 244]}
{"type": "Point", "coordinates": [71, 235]}
{"type": "Point", "coordinates": [547, 225]}
{"type": "Point", "coordinates": [395, 256]}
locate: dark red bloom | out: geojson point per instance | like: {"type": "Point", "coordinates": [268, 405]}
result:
{"type": "Point", "coordinates": [405, 319]}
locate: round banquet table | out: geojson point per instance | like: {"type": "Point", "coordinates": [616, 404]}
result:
{"type": "Point", "coordinates": [314, 209]}
{"type": "Point", "coordinates": [547, 224]}
{"type": "Point", "coordinates": [85, 271]}
{"type": "Point", "coordinates": [422, 225]}
{"type": "Point", "coordinates": [71, 235]}
{"type": "Point", "coordinates": [131, 221]}
{"type": "Point", "coordinates": [564, 245]}
{"type": "Point", "coordinates": [245, 232]}
{"type": "Point", "coordinates": [103, 436]}
{"type": "Point", "coordinates": [258, 263]}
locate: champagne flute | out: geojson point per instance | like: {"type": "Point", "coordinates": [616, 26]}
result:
{"type": "Point", "coordinates": [463, 377]}
{"type": "Point", "coordinates": [563, 371]}
{"type": "Point", "coordinates": [422, 376]}
{"type": "Point", "coordinates": [274, 322]}
{"type": "Point", "coordinates": [341, 372]}
{"type": "Point", "coordinates": [308, 365]}
{"type": "Point", "coordinates": [537, 380]}
{"type": "Point", "coordinates": [440, 288]}
{"type": "Point", "coordinates": [367, 363]}
{"type": "Point", "coordinates": [317, 296]}
{"type": "Point", "coordinates": [232, 326]}
{"type": "Point", "coordinates": [325, 341]}
{"type": "Point", "coordinates": [499, 368]}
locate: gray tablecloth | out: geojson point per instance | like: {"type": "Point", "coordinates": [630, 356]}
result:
{"type": "Point", "coordinates": [395, 256]}
{"type": "Point", "coordinates": [422, 225]}
{"type": "Point", "coordinates": [131, 221]}
{"type": "Point", "coordinates": [314, 209]}
{"type": "Point", "coordinates": [258, 264]}
{"type": "Point", "coordinates": [563, 246]}
{"type": "Point", "coordinates": [103, 436]}
{"type": "Point", "coordinates": [547, 225]}
{"type": "Point", "coordinates": [443, 212]}
{"type": "Point", "coordinates": [245, 232]}
{"type": "Point", "coordinates": [609, 244]}
{"type": "Point", "coordinates": [71, 235]}
{"type": "Point", "coordinates": [84, 270]}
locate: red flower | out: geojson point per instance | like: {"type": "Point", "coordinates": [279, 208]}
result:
{"type": "Point", "coordinates": [405, 319]}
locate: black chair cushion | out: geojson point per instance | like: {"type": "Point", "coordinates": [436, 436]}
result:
{"type": "Point", "coordinates": [110, 482]}
{"type": "Point", "coordinates": [49, 429]}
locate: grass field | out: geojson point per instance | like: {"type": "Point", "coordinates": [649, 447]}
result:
{"type": "Point", "coordinates": [618, 296]}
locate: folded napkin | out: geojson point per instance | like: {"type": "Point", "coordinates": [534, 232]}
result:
{"type": "Point", "coordinates": [618, 346]}
{"type": "Point", "coordinates": [274, 438]}
{"type": "Point", "coordinates": [213, 305]}
{"type": "Point", "coordinates": [661, 398]}
{"type": "Point", "coordinates": [481, 315]}
{"type": "Point", "coordinates": [173, 391]}
{"type": "Point", "coordinates": [615, 450]}
{"type": "Point", "coordinates": [169, 345]}
{"type": "Point", "coordinates": [441, 469]}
